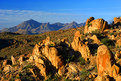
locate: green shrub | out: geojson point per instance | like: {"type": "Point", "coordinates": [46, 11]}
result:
{"type": "Point", "coordinates": [28, 66]}
{"type": "Point", "coordinates": [51, 45]}
{"type": "Point", "coordinates": [89, 24]}
{"type": "Point", "coordinates": [108, 42]}
{"type": "Point", "coordinates": [81, 60]}
{"type": "Point", "coordinates": [84, 74]}
{"type": "Point", "coordinates": [70, 58]}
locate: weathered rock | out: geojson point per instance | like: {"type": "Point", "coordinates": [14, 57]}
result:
{"type": "Point", "coordinates": [104, 61]}
{"type": "Point", "coordinates": [42, 70]}
{"type": "Point", "coordinates": [52, 54]}
{"type": "Point", "coordinates": [21, 60]}
{"type": "Point", "coordinates": [85, 52]}
{"type": "Point", "coordinates": [61, 70]}
{"type": "Point", "coordinates": [5, 62]}
{"type": "Point", "coordinates": [118, 78]}
{"type": "Point", "coordinates": [95, 39]}
{"type": "Point", "coordinates": [43, 54]}
{"type": "Point", "coordinates": [102, 78]}
{"type": "Point", "coordinates": [17, 79]}
{"type": "Point", "coordinates": [92, 25]}
{"type": "Point", "coordinates": [7, 68]}
{"type": "Point", "coordinates": [117, 55]}
{"type": "Point", "coordinates": [36, 50]}
{"type": "Point", "coordinates": [38, 60]}
{"type": "Point", "coordinates": [118, 42]}
{"type": "Point", "coordinates": [77, 45]}
{"type": "Point", "coordinates": [76, 41]}
{"type": "Point", "coordinates": [70, 69]}
{"type": "Point", "coordinates": [13, 60]}
{"type": "Point", "coordinates": [46, 41]}
{"type": "Point", "coordinates": [117, 20]}
{"type": "Point", "coordinates": [115, 70]}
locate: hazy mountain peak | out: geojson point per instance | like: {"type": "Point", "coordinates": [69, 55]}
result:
{"type": "Point", "coordinates": [33, 27]}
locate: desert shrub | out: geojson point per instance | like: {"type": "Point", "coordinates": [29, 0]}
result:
{"type": "Point", "coordinates": [84, 74]}
{"type": "Point", "coordinates": [111, 33]}
{"type": "Point", "coordinates": [51, 45]}
{"type": "Point", "coordinates": [81, 60]}
{"type": "Point", "coordinates": [97, 33]}
{"type": "Point", "coordinates": [108, 42]}
{"type": "Point", "coordinates": [70, 58]}
{"type": "Point", "coordinates": [67, 79]}
{"type": "Point", "coordinates": [89, 24]}
{"type": "Point", "coordinates": [28, 66]}
{"type": "Point", "coordinates": [53, 78]}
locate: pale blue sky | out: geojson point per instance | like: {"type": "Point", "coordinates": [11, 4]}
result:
{"type": "Point", "coordinates": [13, 12]}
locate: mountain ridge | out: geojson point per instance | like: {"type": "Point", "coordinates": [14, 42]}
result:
{"type": "Point", "coordinates": [34, 27]}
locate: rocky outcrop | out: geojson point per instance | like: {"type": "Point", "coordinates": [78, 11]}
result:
{"type": "Point", "coordinates": [92, 25]}
{"type": "Point", "coordinates": [106, 64]}
{"type": "Point", "coordinates": [95, 39]}
{"type": "Point", "coordinates": [104, 61]}
{"type": "Point", "coordinates": [52, 54]}
{"type": "Point", "coordinates": [117, 20]}
{"type": "Point", "coordinates": [7, 68]}
{"type": "Point", "coordinates": [77, 45]}
{"type": "Point", "coordinates": [70, 69]}
{"type": "Point", "coordinates": [45, 53]}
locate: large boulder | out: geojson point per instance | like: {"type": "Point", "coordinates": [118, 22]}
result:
{"type": "Point", "coordinates": [95, 39]}
{"type": "Point", "coordinates": [92, 25]}
{"type": "Point", "coordinates": [77, 45]}
{"type": "Point", "coordinates": [76, 41]}
{"type": "Point", "coordinates": [106, 64]}
{"type": "Point", "coordinates": [52, 54]}
{"type": "Point", "coordinates": [117, 20]}
{"type": "Point", "coordinates": [45, 55]}
{"type": "Point", "coordinates": [104, 61]}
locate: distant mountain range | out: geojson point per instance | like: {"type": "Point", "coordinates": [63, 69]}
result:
{"type": "Point", "coordinates": [33, 27]}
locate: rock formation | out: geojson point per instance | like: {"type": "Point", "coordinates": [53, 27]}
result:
{"type": "Point", "coordinates": [118, 43]}
{"type": "Point", "coordinates": [77, 45]}
{"type": "Point", "coordinates": [43, 53]}
{"type": "Point", "coordinates": [104, 61]}
{"type": "Point", "coordinates": [95, 39]}
{"type": "Point", "coordinates": [92, 25]}
{"type": "Point", "coordinates": [106, 64]}
{"type": "Point", "coordinates": [13, 60]}
{"type": "Point", "coordinates": [117, 20]}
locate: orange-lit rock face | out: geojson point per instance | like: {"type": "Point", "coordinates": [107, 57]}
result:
{"type": "Point", "coordinates": [117, 20]}
{"type": "Point", "coordinates": [95, 39]}
{"type": "Point", "coordinates": [92, 25]}
{"type": "Point", "coordinates": [36, 50]}
{"type": "Point", "coordinates": [76, 41]}
{"type": "Point", "coordinates": [13, 60]}
{"type": "Point", "coordinates": [77, 45]}
{"type": "Point", "coordinates": [118, 42]}
{"type": "Point", "coordinates": [104, 61]}
{"type": "Point", "coordinates": [52, 54]}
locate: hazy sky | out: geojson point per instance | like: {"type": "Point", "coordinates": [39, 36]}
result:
{"type": "Point", "coordinates": [13, 12]}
